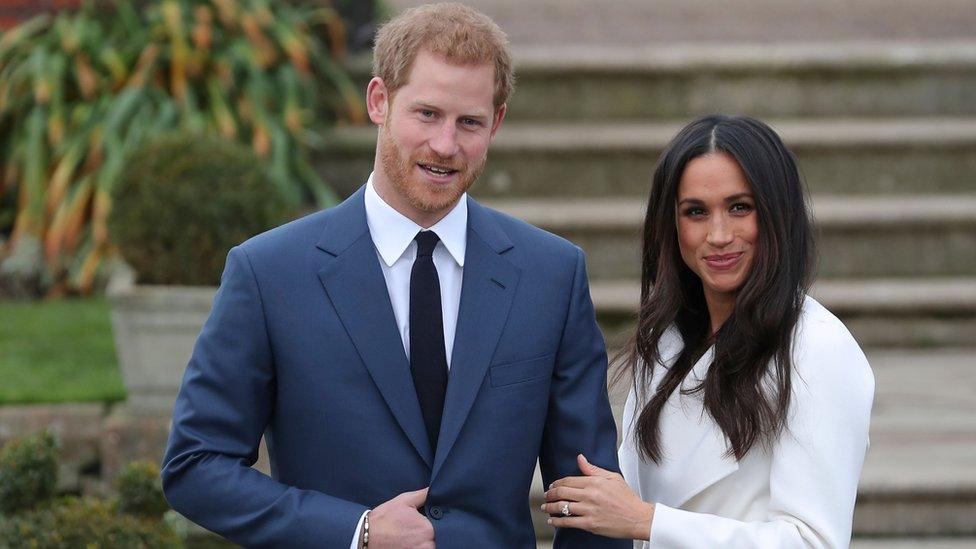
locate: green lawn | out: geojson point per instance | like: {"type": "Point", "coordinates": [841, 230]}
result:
{"type": "Point", "coordinates": [58, 351]}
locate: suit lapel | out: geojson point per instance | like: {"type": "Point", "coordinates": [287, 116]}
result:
{"type": "Point", "coordinates": [354, 282]}
{"type": "Point", "coordinates": [487, 288]}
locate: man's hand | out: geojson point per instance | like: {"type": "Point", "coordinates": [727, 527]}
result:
{"type": "Point", "coordinates": [397, 523]}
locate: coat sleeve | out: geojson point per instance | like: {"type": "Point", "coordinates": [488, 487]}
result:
{"type": "Point", "coordinates": [816, 462]}
{"type": "Point", "coordinates": [222, 410]}
{"type": "Point", "coordinates": [579, 418]}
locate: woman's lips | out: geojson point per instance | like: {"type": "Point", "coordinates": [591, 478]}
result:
{"type": "Point", "coordinates": [723, 262]}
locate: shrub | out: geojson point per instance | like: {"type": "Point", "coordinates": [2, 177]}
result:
{"type": "Point", "coordinates": [28, 472]}
{"type": "Point", "coordinates": [84, 522]}
{"type": "Point", "coordinates": [31, 518]}
{"type": "Point", "coordinates": [182, 202]}
{"type": "Point", "coordinates": [140, 490]}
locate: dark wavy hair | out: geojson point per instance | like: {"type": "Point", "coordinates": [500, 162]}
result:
{"type": "Point", "coordinates": [747, 387]}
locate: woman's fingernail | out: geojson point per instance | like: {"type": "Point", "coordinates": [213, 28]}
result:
{"type": "Point", "coordinates": [549, 521]}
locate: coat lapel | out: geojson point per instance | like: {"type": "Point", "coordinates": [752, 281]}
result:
{"type": "Point", "coordinates": [354, 282]}
{"type": "Point", "coordinates": [694, 445]}
{"type": "Point", "coordinates": [487, 288]}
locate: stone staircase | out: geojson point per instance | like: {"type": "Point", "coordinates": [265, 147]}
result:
{"type": "Point", "coordinates": [885, 134]}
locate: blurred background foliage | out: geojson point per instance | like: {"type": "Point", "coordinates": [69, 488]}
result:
{"type": "Point", "coordinates": [32, 515]}
{"type": "Point", "coordinates": [220, 197]}
{"type": "Point", "coordinates": [80, 90]}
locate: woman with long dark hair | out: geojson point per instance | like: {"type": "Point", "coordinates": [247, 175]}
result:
{"type": "Point", "coordinates": [747, 424]}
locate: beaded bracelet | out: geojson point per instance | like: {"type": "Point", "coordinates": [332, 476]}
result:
{"type": "Point", "coordinates": [366, 530]}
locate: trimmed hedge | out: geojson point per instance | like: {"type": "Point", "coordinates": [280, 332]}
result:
{"type": "Point", "coordinates": [141, 491]}
{"type": "Point", "coordinates": [28, 472]}
{"type": "Point", "coordinates": [72, 523]}
{"type": "Point", "coordinates": [183, 201]}
{"type": "Point", "coordinates": [32, 518]}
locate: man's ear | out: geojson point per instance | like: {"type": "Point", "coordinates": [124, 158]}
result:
{"type": "Point", "coordinates": [497, 120]}
{"type": "Point", "coordinates": [377, 101]}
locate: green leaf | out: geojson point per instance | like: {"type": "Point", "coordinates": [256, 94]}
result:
{"type": "Point", "coordinates": [324, 195]}
{"type": "Point", "coordinates": [20, 35]}
{"type": "Point", "coordinates": [122, 108]}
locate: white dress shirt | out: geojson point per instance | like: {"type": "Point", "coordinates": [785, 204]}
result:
{"type": "Point", "coordinates": [393, 236]}
{"type": "Point", "coordinates": [799, 492]}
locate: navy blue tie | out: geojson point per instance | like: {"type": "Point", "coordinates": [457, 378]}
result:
{"type": "Point", "coordinates": [428, 361]}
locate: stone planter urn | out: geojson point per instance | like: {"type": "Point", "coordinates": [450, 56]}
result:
{"type": "Point", "coordinates": [180, 203]}
{"type": "Point", "coordinates": [155, 328]}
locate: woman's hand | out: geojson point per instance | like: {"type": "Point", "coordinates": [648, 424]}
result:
{"type": "Point", "coordinates": [599, 502]}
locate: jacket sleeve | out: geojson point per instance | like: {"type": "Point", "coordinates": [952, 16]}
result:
{"type": "Point", "coordinates": [579, 418]}
{"type": "Point", "coordinates": [222, 410]}
{"type": "Point", "coordinates": [816, 462]}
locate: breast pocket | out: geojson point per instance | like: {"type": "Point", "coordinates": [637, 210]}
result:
{"type": "Point", "coordinates": [521, 371]}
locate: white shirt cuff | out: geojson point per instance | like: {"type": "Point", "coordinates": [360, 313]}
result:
{"type": "Point", "coordinates": [359, 530]}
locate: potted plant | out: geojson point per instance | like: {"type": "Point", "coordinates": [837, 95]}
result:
{"type": "Point", "coordinates": [181, 202]}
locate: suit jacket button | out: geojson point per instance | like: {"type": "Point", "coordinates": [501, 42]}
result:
{"type": "Point", "coordinates": [435, 512]}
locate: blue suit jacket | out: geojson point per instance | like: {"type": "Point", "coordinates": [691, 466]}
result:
{"type": "Point", "coordinates": [301, 346]}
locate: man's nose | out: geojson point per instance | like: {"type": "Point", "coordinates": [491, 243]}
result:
{"type": "Point", "coordinates": [445, 143]}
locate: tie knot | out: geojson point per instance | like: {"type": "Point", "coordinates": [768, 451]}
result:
{"type": "Point", "coordinates": [426, 241]}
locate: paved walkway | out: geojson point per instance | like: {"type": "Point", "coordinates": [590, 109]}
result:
{"type": "Point", "coordinates": [636, 22]}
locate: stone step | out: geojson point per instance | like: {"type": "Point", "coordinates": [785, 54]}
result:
{"type": "Point", "coordinates": [836, 156]}
{"type": "Point", "coordinates": [666, 22]}
{"type": "Point", "coordinates": [801, 80]}
{"type": "Point", "coordinates": [918, 478]}
{"type": "Point", "coordinates": [859, 236]}
{"type": "Point", "coordinates": [931, 312]}
{"type": "Point", "coordinates": [650, 82]}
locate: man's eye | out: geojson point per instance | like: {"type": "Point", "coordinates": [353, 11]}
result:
{"type": "Point", "coordinates": [427, 113]}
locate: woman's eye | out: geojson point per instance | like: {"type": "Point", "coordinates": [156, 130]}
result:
{"type": "Point", "coordinates": [694, 212]}
{"type": "Point", "coordinates": [741, 207]}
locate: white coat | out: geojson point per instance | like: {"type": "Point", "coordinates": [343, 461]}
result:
{"type": "Point", "coordinates": [800, 492]}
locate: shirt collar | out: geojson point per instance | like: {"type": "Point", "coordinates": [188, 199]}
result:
{"type": "Point", "coordinates": [392, 232]}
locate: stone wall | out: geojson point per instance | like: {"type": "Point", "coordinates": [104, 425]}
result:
{"type": "Point", "coordinates": [96, 440]}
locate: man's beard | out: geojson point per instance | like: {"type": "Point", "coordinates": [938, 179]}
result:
{"type": "Point", "coordinates": [410, 185]}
